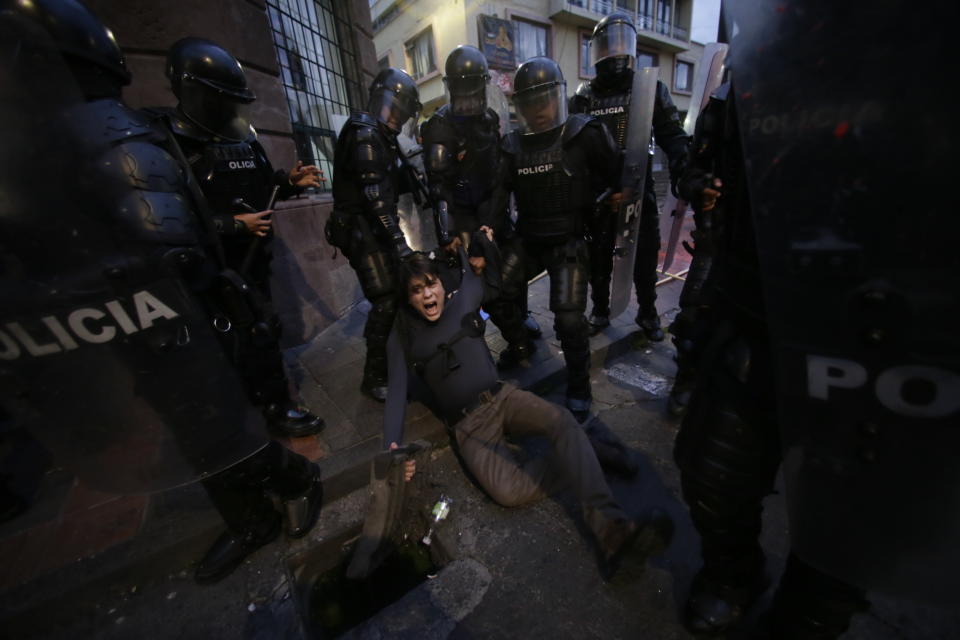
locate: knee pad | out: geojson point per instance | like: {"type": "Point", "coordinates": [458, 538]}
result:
{"type": "Point", "coordinates": [375, 271]}
{"type": "Point", "coordinates": [513, 275]}
{"type": "Point", "coordinates": [380, 318]}
{"type": "Point", "coordinates": [571, 325]}
{"type": "Point", "coordinates": [568, 287]}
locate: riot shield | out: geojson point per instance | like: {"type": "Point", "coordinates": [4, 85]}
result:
{"type": "Point", "coordinates": [416, 221]}
{"type": "Point", "coordinates": [635, 161]}
{"type": "Point", "coordinates": [861, 281]}
{"type": "Point", "coordinates": [105, 355]}
{"type": "Point", "coordinates": [708, 78]}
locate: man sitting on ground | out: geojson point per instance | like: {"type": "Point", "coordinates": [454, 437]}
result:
{"type": "Point", "coordinates": [439, 337]}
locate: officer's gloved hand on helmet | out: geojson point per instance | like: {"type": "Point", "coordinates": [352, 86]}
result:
{"type": "Point", "coordinates": [306, 176]}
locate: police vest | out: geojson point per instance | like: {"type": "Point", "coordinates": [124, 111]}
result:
{"type": "Point", "coordinates": [231, 173]}
{"type": "Point", "coordinates": [476, 140]}
{"type": "Point", "coordinates": [614, 112]}
{"type": "Point", "coordinates": [549, 194]}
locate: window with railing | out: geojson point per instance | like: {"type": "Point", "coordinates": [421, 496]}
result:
{"type": "Point", "coordinates": [319, 72]}
{"type": "Point", "coordinates": [421, 54]}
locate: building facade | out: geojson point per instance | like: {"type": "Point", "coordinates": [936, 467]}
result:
{"type": "Point", "coordinates": [417, 35]}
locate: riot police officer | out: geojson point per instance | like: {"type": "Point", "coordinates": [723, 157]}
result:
{"type": "Point", "coordinates": [728, 447]}
{"type": "Point", "coordinates": [236, 177]}
{"type": "Point", "coordinates": [556, 166]}
{"type": "Point", "coordinates": [461, 142]}
{"type": "Point", "coordinates": [613, 47]}
{"type": "Point", "coordinates": [145, 397]}
{"type": "Point", "coordinates": [371, 174]}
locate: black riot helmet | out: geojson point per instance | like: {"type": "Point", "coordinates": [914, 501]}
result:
{"type": "Point", "coordinates": [540, 95]}
{"type": "Point", "coordinates": [613, 45]}
{"type": "Point", "coordinates": [211, 87]}
{"type": "Point", "coordinates": [88, 46]}
{"type": "Point", "coordinates": [394, 99]}
{"type": "Point", "coordinates": [466, 81]}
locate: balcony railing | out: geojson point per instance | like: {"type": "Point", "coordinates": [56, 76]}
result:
{"type": "Point", "coordinates": [601, 8]}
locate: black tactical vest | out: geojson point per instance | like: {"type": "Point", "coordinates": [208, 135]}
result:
{"type": "Point", "coordinates": [549, 194]}
{"type": "Point", "coordinates": [230, 171]}
{"type": "Point", "coordinates": [613, 111]}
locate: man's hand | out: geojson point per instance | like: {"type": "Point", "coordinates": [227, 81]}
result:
{"type": "Point", "coordinates": [487, 230]}
{"type": "Point", "coordinates": [409, 466]}
{"type": "Point", "coordinates": [453, 246]}
{"type": "Point", "coordinates": [710, 195]}
{"type": "Point", "coordinates": [306, 176]}
{"type": "Point", "coordinates": [477, 264]}
{"type": "Point", "coordinates": [256, 223]}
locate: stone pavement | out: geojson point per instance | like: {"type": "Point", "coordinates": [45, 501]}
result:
{"type": "Point", "coordinates": [73, 537]}
{"type": "Point", "coordinates": [524, 572]}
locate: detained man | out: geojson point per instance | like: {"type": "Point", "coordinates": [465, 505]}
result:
{"type": "Point", "coordinates": [438, 337]}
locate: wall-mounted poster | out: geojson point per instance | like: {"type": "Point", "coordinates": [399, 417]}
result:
{"type": "Point", "coordinates": [496, 41]}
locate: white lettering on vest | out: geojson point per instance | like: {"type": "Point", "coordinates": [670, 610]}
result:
{"type": "Point", "coordinates": [76, 322]}
{"type": "Point", "coordinates": [607, 111]}
{"type": "Point", "coordinates": [540, 168]}
{"type": "Point", "coordinates": [149, 309]}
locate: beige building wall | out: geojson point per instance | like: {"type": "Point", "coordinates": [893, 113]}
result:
{"type": "Point", "coordinates": [454, 22]}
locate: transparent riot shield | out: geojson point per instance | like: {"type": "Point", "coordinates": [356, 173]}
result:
{"type": "Point", "coordinates": [106, 356]}
{"type": "Point", "coordinates": [861, 278]}
{"type": "Point", "coordinates": [636, 159]}
{"type": "Point", "coordinates": [708, 78]}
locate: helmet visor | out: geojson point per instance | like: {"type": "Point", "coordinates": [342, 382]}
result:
{"type": "Point", "coordinates": [216, 111]}
{"type": "Point", "coordinates": [392, 108]}
{"type": "Point", "coordinates": [467, 94]}
{"type": "Point", "coordinates": [618, 39]}
{"type": "Point", "coordinates": [541, 108]}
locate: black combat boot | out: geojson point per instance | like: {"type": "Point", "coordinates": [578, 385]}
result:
{"type": "Point", "coordinates": [650, 325]}
{"type": "Point", "coordinates": [231, 548]}
{"type": "Point", "coordinates": [598, 320]}
{"type": "Point", "coordinates": [721, 594]}
{"type": "Point", "coordinates": [292, 421]}
{"type": "Point", "coordinates": [515, 354]}
{"type": "Point", "coordinates": [374, 382]}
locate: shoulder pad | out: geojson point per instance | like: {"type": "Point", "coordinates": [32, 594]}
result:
{"type": "Point", "coordinates": [574, 125]}
{"type": "Point", "coordinates": [585, 90]}
{"type": "Point", "coordinates": [109, 121]}
{"type": "Point", "coordinates": [437, 128]}
{"type": "Point", "coordinates": [366, 133]}
{"type": "Point", "coordinates": [143, 165]}
{"type": "Point", "coordinates": [510, 143]}
{"type": "Point", "coordinates": [182, 126]}
{"type": "Point", "coordinates": [361, 118]}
